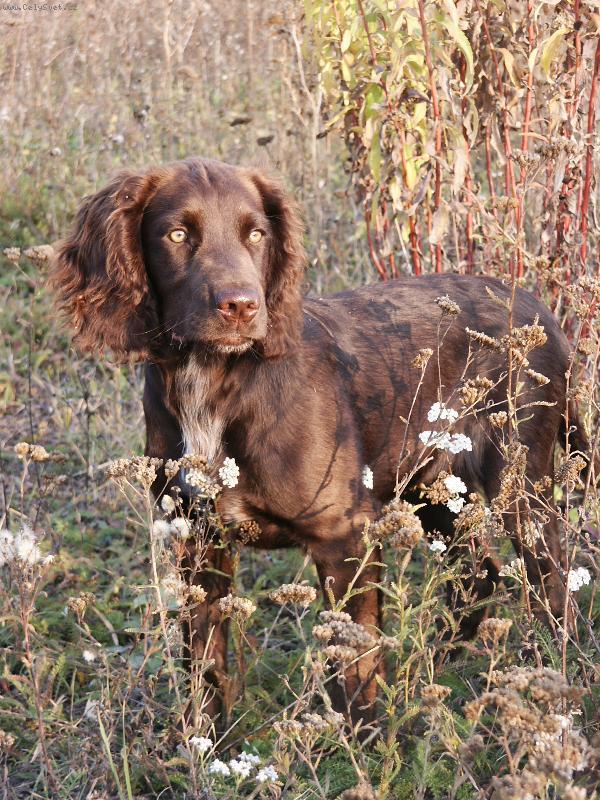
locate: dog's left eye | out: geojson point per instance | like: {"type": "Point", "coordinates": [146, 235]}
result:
{"type": "Point", "coordinates": [178, 236]}
{"type": "Point", "coordinates": [255, 236]}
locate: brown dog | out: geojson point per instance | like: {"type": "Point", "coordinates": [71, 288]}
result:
{"type": "Point", "coordinates": [197, 267]}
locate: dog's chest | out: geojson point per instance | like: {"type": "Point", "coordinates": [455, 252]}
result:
{"type": "Point", "coordinates": [201, 424]}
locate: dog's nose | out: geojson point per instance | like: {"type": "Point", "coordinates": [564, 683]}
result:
{"type": "Point", "coordinates": [238, 305]}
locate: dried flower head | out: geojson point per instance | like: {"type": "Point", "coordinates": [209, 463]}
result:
{"type": "Point", "coordinates": [197, 594]}
{"type": "Point", "coordinates": [474, 390]}
{"type": "Point", "coordinates": [362, 791]}
{"type": "Point", "coordinates": [294, 593]}
{"type": "Point", "coordinates": [241, 608]}
{"type": "Point", "coordinates": [40, 254]}
{"type": "Point", "coordinates": [498, 419]}
{"type": "Point", "coordinates": [399, 522]}
{"type": "Point", "coordinates": [484, 340]}
{"type": "Point", "coordinates": [421, 360]}
{"type": "Point", "coordinates": [567, 473]}
{"type": "Point", "coordinates": [492, 630]}
{"type": "Point", "coordinates": [339, 629]}
{"type": "Point", "coordinates": [448, 306]}
{"type": "Point", "coordinates": [248, 531]}
{"type": "Point", "coordinates": [79, 605]}
{"type": "Point", "coordinates": [434, 694]}
{"type": "Point", "coordinates": [13, 254]}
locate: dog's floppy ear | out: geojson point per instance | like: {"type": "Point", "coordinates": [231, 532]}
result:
{"type": "Point", "coordinates": [285, 268]}
{"type": "Point", "coordinates": [99, 273]}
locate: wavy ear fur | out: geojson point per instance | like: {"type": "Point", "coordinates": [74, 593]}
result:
{"type": "Point", "coordinates": [285, 268]}
{"type": "Point", "coordinates": [99, 273]}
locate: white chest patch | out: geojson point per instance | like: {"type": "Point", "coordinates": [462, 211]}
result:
{"type": "Point", "coordinates": [202, 428]}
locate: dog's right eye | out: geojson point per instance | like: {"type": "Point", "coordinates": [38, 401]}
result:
{"type": "Point", "coordinates": [178, 235]}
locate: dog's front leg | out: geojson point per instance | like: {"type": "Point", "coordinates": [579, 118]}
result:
{"type": "Point", "coordinates": [338, 564]}
{"type": "Point", "coordinates": [205, 632]}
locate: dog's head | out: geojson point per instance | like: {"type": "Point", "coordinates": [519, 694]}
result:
{"type": "Point", "coordinates": [198, 253]}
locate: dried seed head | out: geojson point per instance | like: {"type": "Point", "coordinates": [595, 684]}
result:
{"type": "Point", "coordinates": [13, 254]}
{"type": "Point", "coordinates": [79, 605]}
{"type": "Point", "coordinates": [498, 419]}
{"type": "Point", "coordinates": [239, 607]}
{"type": "Point", "coordinates": [448, 306]}
{"type": "Point", "coordinates": [421, 360]}
{"type": "Point", "coordinates": [248, 531]}
{"type": "Point", "coordinates": [434, 694]}
{"type": "Point", "coordinates": [474, 390]}
{"type": "Point", "coordinates": [295, 593]}
{"type": "Point", "coordinates": [398, 521]}
{"type": "Point", "coordinates": [171, 468]}
{"type": "Point", "coordinates": [537, 377]}
{"type": "Point", "coordinates": [340, 653]}
{"type": "Point", "coordinates": [492, 630]}
{"type": "Point", "coordinates": [41, 253]}
{"type": "Point", "coordinates": [7, 741]}
{"type": "Point", "coordinates": [362, 791]}
{"type": "Point", "coordinates": [484, 340]}
{"type": "Point", "coordinates": [197, 594]}
{"type": "Point", "coordinates": [339, 629]}
{"type": "Point", "coordinates": [567, 474]}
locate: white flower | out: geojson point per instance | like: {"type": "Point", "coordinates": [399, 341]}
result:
{"type": "Point", "coordinates": [459, 442]}
{"type": "Point", "coordinates": [88, 656]}
{"type": "Point", "coordinates": [578, 578]}
{"type": "Point", "coordinates": [161, 529]}
{"type": "Point", "coordinates": [437, 546]}
{"type": "Point", "coordinates": [367, 477]}
{"type": "Point", "coordinates": [49, 559]}
{"type": "Point", "coordinates": [240, 768]}
{"type": "Point", "coordinates": [439, 411]}
{"type": "Point", "coordinates": [219, 767]}
{"type": "Point", "coordinates": [455, 504]}
{"type": "Point", "coordinates": [434, 439]}
{"type": "Point", "coordinates": [201, 744]}
{"type": "Point", "coordinates": [512, 570]}
{"type": "Point", "coordinates": [251, 758]}
{"type": "Point", "coordinates": [167, 504]}
{"type": "Point", "coordinates": [266, 775]}
{"type": "Point", "coordinates": [229, 473]}
{"type": "Point", "coordinates": [21, 546]}
{"type": "Point", "coordinates": [455, 485]}
{"type": "Point", "coordinates": [181, 526]}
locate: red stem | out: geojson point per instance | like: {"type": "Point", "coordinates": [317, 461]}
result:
{"type": "Point", "coordinates": [587, 183]}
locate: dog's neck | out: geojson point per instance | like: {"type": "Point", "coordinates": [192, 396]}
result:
{"type": "Point", "coordinates": [209, 394]}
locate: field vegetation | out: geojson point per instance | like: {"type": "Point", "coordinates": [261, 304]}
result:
{"type": "Point", "coordinates": [417, 136]}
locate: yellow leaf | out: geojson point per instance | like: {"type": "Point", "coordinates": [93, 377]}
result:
{"type": "Point", "coordinates": [346, 40]}
{"type": "Point", "coordinates": [550, 49]}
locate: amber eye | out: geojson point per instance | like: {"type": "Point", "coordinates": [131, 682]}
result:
{"type": "Point", "coordinates": [178, 236]}
{"type": "Point", "coordinates": [255, 237]}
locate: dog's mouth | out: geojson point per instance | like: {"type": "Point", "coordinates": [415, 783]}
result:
{"type": "Point", "coordinates": [233, 347]}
